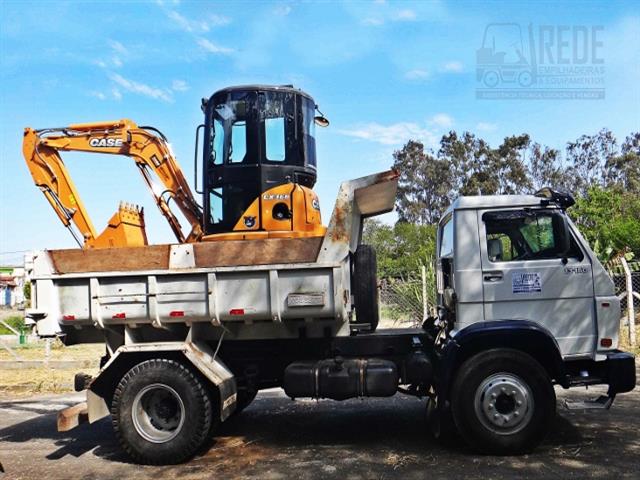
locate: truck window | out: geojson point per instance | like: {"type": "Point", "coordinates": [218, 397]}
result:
{"type": "Point", "coordinates": [525, 235]}
{"type": "Point", "coordinates": [446, 238]}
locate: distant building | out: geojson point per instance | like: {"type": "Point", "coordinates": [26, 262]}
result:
{"type": "Point", "coordinates": [12, 281]}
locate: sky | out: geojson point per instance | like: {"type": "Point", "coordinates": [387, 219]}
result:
{"type": "Point", "coordinates": [383, 72]}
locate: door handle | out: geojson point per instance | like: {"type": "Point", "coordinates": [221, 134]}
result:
{"type": "Point", "coordinates": [493, 277]}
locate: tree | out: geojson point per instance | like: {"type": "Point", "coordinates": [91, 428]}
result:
{"type": "Point", "coordinates": [586, 159]}
{"type": "Point", "coordinates": [470, 164]}
{"type": "Point", "coordinates": [545, 169]}
{"type": "Point", "coordinates": [623, 170]}
{"type": "Point", "coordinates": [609, 220]}
{"type": "Point", "coordinates": [424, 185]}
{"type": "Point", "coordinates": [402, 248]}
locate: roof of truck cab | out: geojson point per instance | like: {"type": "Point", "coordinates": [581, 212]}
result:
{"type": "Point", "coordinates": [494, 201]}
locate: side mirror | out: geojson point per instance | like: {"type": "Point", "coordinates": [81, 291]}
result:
{"type": "Point", "coordinates": [321, 121]}
{"type": "Point", "coordinates": [196, 160]}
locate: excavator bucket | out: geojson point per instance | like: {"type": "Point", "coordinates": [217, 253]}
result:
{"type": "Point", "coordinates": [126, 228]}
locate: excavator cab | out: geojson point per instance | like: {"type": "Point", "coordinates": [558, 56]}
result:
{"type": "Point", "coordinates": [260, 164]}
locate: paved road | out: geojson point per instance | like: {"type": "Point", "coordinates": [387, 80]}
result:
{"type": "Point", "coordinates": [276, 438]}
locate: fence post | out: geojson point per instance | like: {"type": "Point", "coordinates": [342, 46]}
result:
{"type": "Point", "coordinates": [424, 294]}
{"type": "Point", "coordinates": [631, 315]}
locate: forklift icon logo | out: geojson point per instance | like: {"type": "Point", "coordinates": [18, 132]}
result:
{"type": "Point", "coordinates": [558, 62]}
{"type": "Point", "coordinates": [503, 58]}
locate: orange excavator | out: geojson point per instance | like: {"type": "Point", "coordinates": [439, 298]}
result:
{"type": "Point", "coordinates": [258, 170]}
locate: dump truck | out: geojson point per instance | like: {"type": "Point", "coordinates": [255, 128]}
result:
{"type": "Point", "coordinates": [194, 330]}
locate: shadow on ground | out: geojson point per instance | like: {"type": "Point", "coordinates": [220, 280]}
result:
{"type": "Point", "coordinates": [357, 439]}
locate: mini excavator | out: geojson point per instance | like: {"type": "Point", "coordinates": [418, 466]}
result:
{"type": "Point", "coordinates": [257, 171]}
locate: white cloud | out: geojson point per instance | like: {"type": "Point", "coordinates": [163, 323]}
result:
{"type": "Point", "coordinates": [373, 21]}
{"type": "Point", "coordinates": [486, 127]}
{"type": "Point", "coordinates": [282, 10]}
{"type": "Point", "coordinates": [116, 94]}
{"type": "Point", "coordinates": [417, 74]}
{"type": "Point", "coordinates": [187, 25]}
{"type": "Point", "coordinates": [394, 134]}
{"type": "Point", "coordinates": [118, 47]}
{"type": "Point", "coordinates": [141, 88]}
{"type": "Point", "coordinates": [405, 15]}
{"type": "Point", "coordinates": [453, 66]}
{"type": "Point", "coordinates": [441, 120]}
{"type": "Point", "coordinates": [98, 95]}
{"type": "Point", "coordinates": [219, 20]}
{"type": "Point", "coordinates": [116, 61]}
{"type": "Point", "coordinates": [213, 48]}
{"type": "Point", "coordinates": [179, 86]}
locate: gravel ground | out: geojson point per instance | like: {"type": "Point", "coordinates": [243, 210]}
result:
{"type": "Point", "coordinates": [276, 438]}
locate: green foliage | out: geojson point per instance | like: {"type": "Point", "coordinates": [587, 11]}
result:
{"type": "Point", "coordinates": [609, 218]}
{"type": "Point", "coordinates": [602, 174]}
{"type": "Point", "coordinates": [402, 248]}
{"type": "Point", "coordinates": [15, 322]}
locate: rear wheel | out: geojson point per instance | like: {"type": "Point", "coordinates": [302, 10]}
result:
{"type": "Point", "coordinates": [365, 286]}
{"type": "Point", "coordinates": [161, 412]}
{"type": "Point", "coordinates": [503, 402]}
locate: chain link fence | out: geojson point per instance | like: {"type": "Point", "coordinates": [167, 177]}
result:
{"type": "Point", "coordinates": [626, 277]}
{"type": "Point", "coordinates": [406, 302]}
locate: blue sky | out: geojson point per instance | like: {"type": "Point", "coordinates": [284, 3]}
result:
{"type": "Point", "coordinates": [382, 72]}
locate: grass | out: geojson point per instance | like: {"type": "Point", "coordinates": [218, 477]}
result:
{"type": "Point", "coordinates": [32, 381]}
{"type": "Point", "coordinates": [35, 351]}
{"type": "Point", "coordinates": [42, 379]}
{"type": "Point", "coordinates": [16, 322]}
{"type": "Point", "coordinates": [624, 338]}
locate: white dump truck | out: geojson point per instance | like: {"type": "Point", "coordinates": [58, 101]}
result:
{"type": "Point", "coordinates": [194, 331]}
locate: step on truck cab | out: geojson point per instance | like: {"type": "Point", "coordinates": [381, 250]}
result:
{"type": "Point", "coordinates": [200, 328]}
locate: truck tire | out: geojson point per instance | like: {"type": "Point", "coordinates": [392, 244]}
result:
{"type": "Point", "coordinates": [161, 412]}
{"type": "Point", "coordinates": [365, 286]}
{"type": "Point", "coordinates": [503, 402]}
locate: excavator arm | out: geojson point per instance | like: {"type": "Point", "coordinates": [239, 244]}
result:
{"type": "Point", "coordinates": [151, 153]}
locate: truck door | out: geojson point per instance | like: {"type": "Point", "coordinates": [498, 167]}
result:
{"type": "Point", "coordinates": [526, 277]}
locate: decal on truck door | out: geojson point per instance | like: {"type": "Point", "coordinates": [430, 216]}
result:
{"type": "Point", "coordinates": [529, 282]}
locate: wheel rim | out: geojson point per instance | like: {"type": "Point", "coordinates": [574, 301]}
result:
{"type": "Point", "coordinates": [158, 413]}
{"type": "Point", "coordinates": [504, 403]}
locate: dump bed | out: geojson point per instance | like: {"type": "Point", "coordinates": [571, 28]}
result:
{"type": "Point", "coordinates": [251, 288]}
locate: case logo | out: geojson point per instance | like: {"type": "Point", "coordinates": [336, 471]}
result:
{"type": "Point", "coordinates": [105, 142]}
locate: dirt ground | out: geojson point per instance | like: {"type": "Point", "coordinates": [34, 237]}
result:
{"type": "Point", "coordinates": [276, 438]}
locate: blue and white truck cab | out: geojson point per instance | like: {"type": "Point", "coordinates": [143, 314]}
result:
{"type": "Point", "coordinates": [524, 304]}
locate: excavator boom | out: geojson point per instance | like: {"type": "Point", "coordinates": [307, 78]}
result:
{"type": "Point", "coordinates": [151, 153]}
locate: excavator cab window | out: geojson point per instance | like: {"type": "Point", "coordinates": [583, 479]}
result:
{"type": "Point", "coordinates": [274, 139]}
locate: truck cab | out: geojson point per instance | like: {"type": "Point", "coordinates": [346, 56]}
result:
{"type": "Point", "coordinates": [520, 258]}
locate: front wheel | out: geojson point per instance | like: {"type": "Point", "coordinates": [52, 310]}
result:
{"type": "Point", "coordinates": [503, 402]}
{"type": "Point", "coordinates": [161, 412]}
